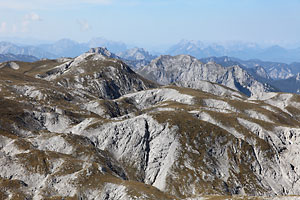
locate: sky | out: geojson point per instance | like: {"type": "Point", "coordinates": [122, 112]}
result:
{"type": "Point", "coordinates": [153, 22]}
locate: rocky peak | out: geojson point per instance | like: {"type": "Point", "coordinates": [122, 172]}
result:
{"type": "Point", "coordinates": [96, 72]}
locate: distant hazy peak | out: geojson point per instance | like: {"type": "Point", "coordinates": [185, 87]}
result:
{"type": "Point", "coordinates": [135, 49]}
{"type": "Point", "coordinates": [103, 51]}
{"type": "Point", "coordinates": [99, 50]}
{"type": "Point", "coordinates": [136, 54]}
{"type": "Point", "coordinates": [19, 57]}
{"type": "Point", "coordinates": [113, 46]}
{"type": "Point", "coordinates": [241, 50]}
{"type": "Point", "coordinates": [181, 57]}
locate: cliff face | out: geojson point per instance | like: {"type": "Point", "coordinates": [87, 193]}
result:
{"type": "Point", "coordinates": [63, 134]}
{"type": "Point", "coordinates": [187, 71]}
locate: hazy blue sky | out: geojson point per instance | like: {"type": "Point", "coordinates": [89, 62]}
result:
{"type": "Point", "coordinates": [153, 22]}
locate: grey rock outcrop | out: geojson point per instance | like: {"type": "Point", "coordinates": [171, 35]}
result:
{"type": "Point", "coordinates": [187, 71]}
{"type": "Point", "coordinates": [99, 73]}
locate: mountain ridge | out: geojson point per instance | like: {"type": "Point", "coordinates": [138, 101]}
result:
{"type": "Point", "coordinates": [7, 47]}
{"type": "Point", "coordinates": [186, 70]}
{"type": "Point", "coordinates": [19, 57]}
{"type": "Point", "coordinates": [279, 75]}
{"type": "Point", "coordinates": [200, 50]}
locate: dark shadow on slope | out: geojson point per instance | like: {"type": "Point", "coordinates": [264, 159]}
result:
{"type": "Point", "coordinates": [242, 89]}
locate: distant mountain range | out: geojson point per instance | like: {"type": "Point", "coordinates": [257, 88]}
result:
{"type": "Point", "coordinates": [284, 77]}
{"type": "Point", "coordinates": [10, 48]}
{"type": "Point", "coordinates": [276, 70]}
{"type": "Point", "coordinates": [19, 57]}
{"type": "Point", "coordinates": [61, 48]}
{"type": "Point", "coordinates": [198, 49]}
{"type": "Point", "coordinates": [245, 51]}
{"type": "Point", "coordinates": [250, 77]}
{"type": "Point", "coordinates": [70, 48]}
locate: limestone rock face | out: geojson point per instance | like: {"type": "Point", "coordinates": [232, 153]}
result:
{"type": "Point", "coordinates": [63, 135]}
{"type": "Point", "coordinates": [187, 71]}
